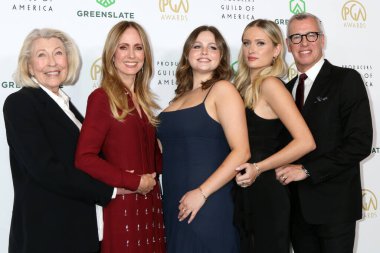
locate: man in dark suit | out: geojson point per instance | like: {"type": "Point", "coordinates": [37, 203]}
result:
{"type": "Point", "coordinates": [325, 184]}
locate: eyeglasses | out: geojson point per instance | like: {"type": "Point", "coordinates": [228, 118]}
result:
{"type": "Point", "coordinates": [310, 36]}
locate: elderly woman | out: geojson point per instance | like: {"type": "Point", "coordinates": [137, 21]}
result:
{"type": "Point", "coordinates": [54, 203]}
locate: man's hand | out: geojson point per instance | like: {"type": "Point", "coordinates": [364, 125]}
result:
{"type": "Point", "coordinates": [289, 173]}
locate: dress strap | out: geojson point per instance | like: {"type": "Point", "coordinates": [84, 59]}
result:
{"type": "Point", "coordinates": [208, 92]}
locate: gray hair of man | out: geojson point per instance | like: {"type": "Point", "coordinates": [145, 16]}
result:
{"type": "Point", "coordinates": [302, 16]}
{"type": "Point", "coordinates": [22, 75]}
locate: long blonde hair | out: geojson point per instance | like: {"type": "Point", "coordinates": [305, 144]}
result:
{"type": "Point", "coordinates": [112, 84]}
{"type": "Point", "coordinates": [250, 89]}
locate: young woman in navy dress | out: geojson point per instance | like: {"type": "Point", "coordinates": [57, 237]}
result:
{"type": "Point", "coordinates": [204, 138]}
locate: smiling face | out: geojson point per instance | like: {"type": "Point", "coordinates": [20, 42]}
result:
{"type": "Point", "coordinates": [48, 62]}
{"type": "Point", "coordinates": [306, 53]}
{"type": "Point", "coordinates": [204, 55]}
{"type": "Point", "coordinates": [258, 49]}
{"type": "Point", "coordinates": [129, 55]}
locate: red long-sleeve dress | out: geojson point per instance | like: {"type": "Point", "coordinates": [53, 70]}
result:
{"type": "Point", "coordinates": [107, 149]}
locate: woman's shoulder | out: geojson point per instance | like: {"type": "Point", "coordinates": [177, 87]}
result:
{"type": "Point", "coordinates": [273, 86]}
{"type": "Point", "coordinates": [97, 97]}
{"type": "Point", "coordinates": [22, 100]}
{"type": "Point", "coordinates": [98, 92]}
{"type": "Point", "coordinates": [272, 80]}
{"type": "Point", "coordinates": [23, 94]}
{"type": "Point", "coordinates": [224, 86]}
{"type": "Point", "coordinates": [224, 91]}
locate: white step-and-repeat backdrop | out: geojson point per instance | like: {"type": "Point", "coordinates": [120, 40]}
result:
{"type": "Point", "coordinates": [351, 27]}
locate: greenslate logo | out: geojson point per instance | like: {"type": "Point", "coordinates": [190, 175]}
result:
{"type": "Point", "coordinates": [106, 3]}
{"type": "Point", "coordinates": [297, 6]}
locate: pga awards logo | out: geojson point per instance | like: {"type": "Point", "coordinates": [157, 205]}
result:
{"type": "Point", "coordinates": [354, 15]}
{"type": "Point", "coordinates": [292, 71]}
{"type": "Point", "coordinates": [96, 72]}
{"type": "Point", "coordinates": [174, 10]}
{"type": "Point", "coordinates": [369, 204]}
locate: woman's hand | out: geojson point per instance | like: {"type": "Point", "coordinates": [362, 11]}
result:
{"type": "Point", "coordinates": [190, 204]}
{"type": "Point", "coordinates": [147, 183]}
{"type": "Point", "coordinates": [247, 174]}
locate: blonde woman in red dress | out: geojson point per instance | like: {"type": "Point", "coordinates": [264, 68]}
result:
{"type": "Point", "coordinates": [118, 146]}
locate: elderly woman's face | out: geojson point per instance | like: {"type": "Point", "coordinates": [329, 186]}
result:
{"type": "Point", "coordinates": [48, 62]}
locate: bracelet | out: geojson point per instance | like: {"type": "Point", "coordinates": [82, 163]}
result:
{"type": "Point", "coordinates": [203, 194]}
{"type": "Point", "coordinates": [306, 171]}
{"type": "Point", "coordinates": [257, 169]}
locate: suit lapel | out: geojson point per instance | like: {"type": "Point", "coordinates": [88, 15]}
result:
{"type": "Point", "coordinates": [77, 114]}
{"type": "Point", "coordinates": [291, 84]}
{"type": "Point", "coordinates": [321, 83]}
{"type": "Point", "coordinates": [53, 111]}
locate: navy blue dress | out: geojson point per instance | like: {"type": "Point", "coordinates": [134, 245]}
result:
{"type": "Point", "coordinates": [194, 145]}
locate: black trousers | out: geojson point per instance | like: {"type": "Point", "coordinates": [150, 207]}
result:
{"type": "Point", "coordinates": [322, 238]}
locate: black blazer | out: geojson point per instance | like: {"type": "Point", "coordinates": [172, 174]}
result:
{"type": "Point", "coordinates": [338, 114]}
{"type": "Point", "coordinates": [54, 203]}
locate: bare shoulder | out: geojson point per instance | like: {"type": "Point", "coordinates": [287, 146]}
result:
{"type": "Point", "coordinates": [272, 82]}
{"type": "Point", "coordinates": [272, 85]}
{"type": "Point", "coordinates": [224, 88]}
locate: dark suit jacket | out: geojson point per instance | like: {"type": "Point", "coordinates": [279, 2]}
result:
{"type": "Point", "coordinates": [54, 203]}
{"type": "Point", "coordinates": [338, 114]}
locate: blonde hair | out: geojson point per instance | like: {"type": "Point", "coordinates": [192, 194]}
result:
{"type": "Point", "coordinates": [112, 83]}
{"type": "Point", "coordinates": [23, 77]}
{"type": "Point", "coordinates": [250, 89]}
{"type": "Point", "coordinates": [184, 73]}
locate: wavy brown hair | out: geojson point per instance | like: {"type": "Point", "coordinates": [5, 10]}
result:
{"type": "Point", "coordinates": [184, 72]}
{"type": "Point", "coordinates": [250, 89]}
{"type": "Point", "coordinates": [112, 83]}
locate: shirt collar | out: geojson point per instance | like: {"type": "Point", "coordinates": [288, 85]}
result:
{"type": "Point", "coordinates": [62, 99]}
{"type": "Point", "coordinates": [313, 71]}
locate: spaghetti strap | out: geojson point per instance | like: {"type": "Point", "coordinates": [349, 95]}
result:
{"type": "Point", "coordinates": [204, 100]}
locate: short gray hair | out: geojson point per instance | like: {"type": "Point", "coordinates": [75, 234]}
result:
{"type": "Point", "coordinates": [302, 16]}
